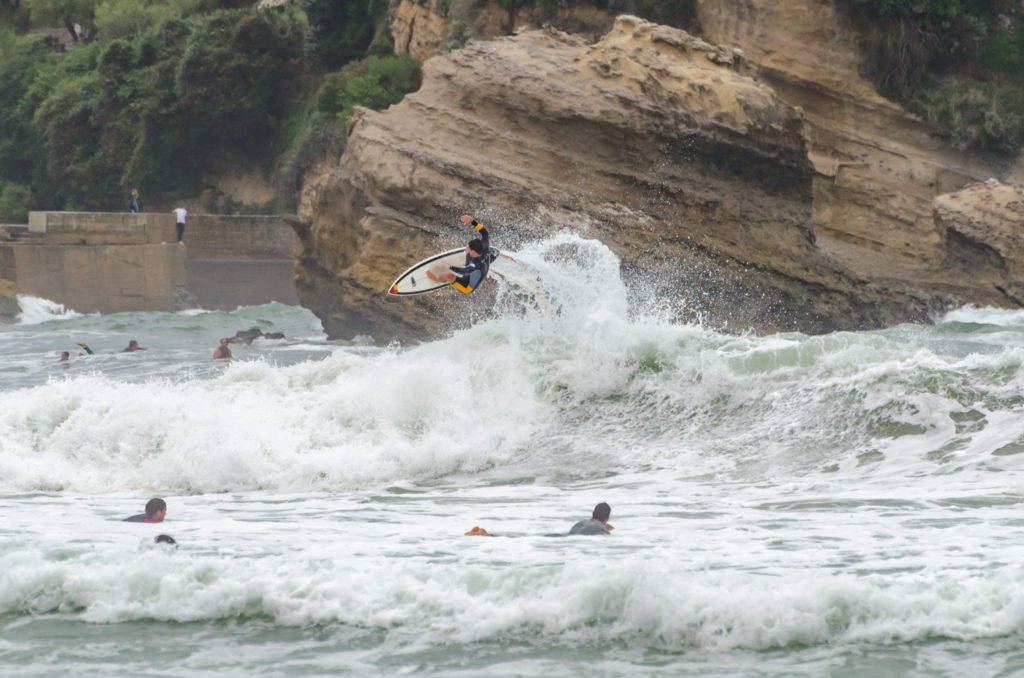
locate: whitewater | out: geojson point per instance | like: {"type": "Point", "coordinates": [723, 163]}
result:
{"type": "Point", "coordinates": [846, 504]}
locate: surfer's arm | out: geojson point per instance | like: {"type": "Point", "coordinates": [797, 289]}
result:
{"type": "Point", "coordinates": [466, 219]}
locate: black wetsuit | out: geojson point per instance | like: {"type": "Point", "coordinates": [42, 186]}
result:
{"type": "Point", "coordinates": [140, 518]}
{"type": "Point", "coordinates": [588, 527]}
{"type": "Point", "coordinates": [475, 270]}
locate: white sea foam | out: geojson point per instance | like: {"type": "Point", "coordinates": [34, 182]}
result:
{"type": "Point", "coordinates": [639, 600]}
{"type": "Point", "coordinates": [35, 310]}
{"type": "Point", "coordinates": [577, 387]}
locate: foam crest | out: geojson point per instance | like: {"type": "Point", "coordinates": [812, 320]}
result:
{"type": "Point", "coordinates": [35, 310]}
{"type": "Point", "coordinates": [575, 385]}
{"type": "Point", "coordinates": [344, 421]}
{"type": "Point", "coordinates": [638, 602]}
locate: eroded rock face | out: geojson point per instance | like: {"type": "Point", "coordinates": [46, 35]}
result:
{"type": "Point", "coordinates": [878, 168]}
{"type": "Point", "coordinates": [417, 30]}
{"type": "Point", "coordinates": [984, 223]}
{"type": "Point", "coordinates": [9, 306]}
{"type": "Point", "coordinates": [657, 143]}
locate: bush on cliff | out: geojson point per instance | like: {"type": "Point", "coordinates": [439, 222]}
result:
{"type": "Point", "coordinates": [341, 32]}
{"type": "Point", "coordinates": [313, 130]}
{"type": "Point", "coordinates": [981, 115]}
{"type": "Point", "coordinates": [15, 201]}
{"type": "Point", "coordinates": [957, 62]}
{"type": "Point", "coordinates": [376, 83]}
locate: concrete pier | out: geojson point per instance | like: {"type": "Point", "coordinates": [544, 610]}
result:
{"type": "Point", "coordinates": [111, 262]}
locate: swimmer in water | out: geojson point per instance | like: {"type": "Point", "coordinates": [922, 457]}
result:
{"type": "Point", "coordinates": [156, 510]}
{"type": "Point", "coordinates": [222, 352]}
{"type": "Point", "coordinates": [598, 523]}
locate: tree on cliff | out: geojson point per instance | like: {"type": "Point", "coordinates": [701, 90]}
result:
{"type": "Point", "coordinates": [340, 31]}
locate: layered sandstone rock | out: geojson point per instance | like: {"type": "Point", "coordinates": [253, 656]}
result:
{"type": "Point", "coordinates": [653, 141]}
{"type": "Point", "coordinates": [985, 224]}
{"type": "Point", "coordinates": [879, 168]}
{"type": "Point", "coordinates": [770, 188]}
{"type": "Point", "coordinates": [417, 30]}
{"type": "Point", "coordinates": [9, 306]}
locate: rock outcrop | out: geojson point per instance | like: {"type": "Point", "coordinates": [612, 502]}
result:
{"type": "Point", "coordinates": [653, 141]}
{"type": "Point", "coordinates": [9, 306]}
{"type": "Point", "coordinates": [770, 189]}
{"type": "Point", "coordinates": [983, 223]}
{"type": "Point", "coordinates": [417, 30]}
{"type": "Point", "coordinates": [878, 167]}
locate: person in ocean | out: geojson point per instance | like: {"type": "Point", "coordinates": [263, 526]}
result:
{"type": "Point", "coordinates": [66, 355]}
{"type": "Point", "coordinates": [478, 262]}
{"type": "Point", "coordinates": [598, 523]}
{"type": "Point", "coordinates": [222, 352]}
{"type": "Point", "coordinates": [156, 509]}
{"type": "Point", "coordinates": [134, 346]}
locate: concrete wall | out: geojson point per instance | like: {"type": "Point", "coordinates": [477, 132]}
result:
{"type": "Point", "coordinates": [244, 238]}
{"type": "Point", "coordinates": [101, 278]}
{"type": "Point", "coordinates": [110, 262]}
{"type": "Point", "coordinates": [239, 261]}
{"type": "Point", "coordinates": [101, 228]}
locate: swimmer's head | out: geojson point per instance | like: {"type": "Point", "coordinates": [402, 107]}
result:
{"type": "Point", "coordinates": [156, 509]}
{"type": "Point", "coordinates": [602, 512]}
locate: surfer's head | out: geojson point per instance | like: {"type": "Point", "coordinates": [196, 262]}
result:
{"type": "Point", "coordinates": [476, 247]}
{"type": "Point", "coordinates": [602, 512]}
{"type": "Point", "coordinates": [156, 509]}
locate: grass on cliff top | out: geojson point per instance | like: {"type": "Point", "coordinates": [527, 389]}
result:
{"type": "Point", "coordinates": [956, 62]}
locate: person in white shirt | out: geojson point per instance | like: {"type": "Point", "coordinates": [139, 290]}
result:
{"type": "Point", "coordinates": [179, 215]}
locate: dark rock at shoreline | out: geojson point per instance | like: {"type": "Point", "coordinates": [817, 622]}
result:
{"type": "Point", "coordinates": [248, 336]}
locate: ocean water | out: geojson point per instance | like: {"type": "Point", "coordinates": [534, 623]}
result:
{"type": "Point", "coordinates": [842, 505]}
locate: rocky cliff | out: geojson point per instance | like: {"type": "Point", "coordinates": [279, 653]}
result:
{"type": "Point", "coordinates": [9, 306]}
{"type": "Point", "coordinates": [881, 172]}
{"type": "Point", "coordinates": [776, 192]}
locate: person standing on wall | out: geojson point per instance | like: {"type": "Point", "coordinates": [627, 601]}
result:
{"type": "Point", "coordinates": [179, 216]}
{"type": "Point", "coordinates": [133, 201]}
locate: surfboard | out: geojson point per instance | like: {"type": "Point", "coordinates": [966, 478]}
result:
{"type": "Point", "coordinates": [415, 280]}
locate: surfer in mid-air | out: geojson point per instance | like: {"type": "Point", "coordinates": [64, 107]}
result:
{"type": "Point", "coordinates": [478, 261]}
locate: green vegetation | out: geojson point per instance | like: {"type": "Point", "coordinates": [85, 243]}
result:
{"type": "Point", "coordinates": [155, 94]}
{"type": "Point", "coordinates": [956, 62]}
{"type": "Point", "coordinates": [376, 83]}
{"type": "Point", "coordinates": [153, 90]}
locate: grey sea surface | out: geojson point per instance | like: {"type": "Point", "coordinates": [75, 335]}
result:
{"type": "Point", "coordinates": [842, 505]}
